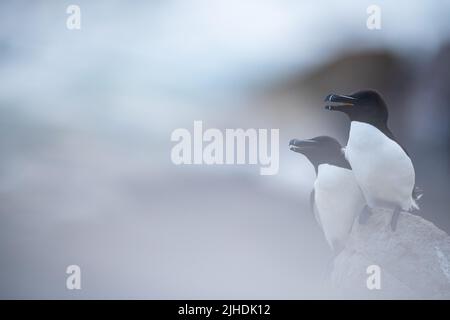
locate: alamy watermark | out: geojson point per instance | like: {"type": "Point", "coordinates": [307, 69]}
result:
{"type": "Point", "coordinates": [73, 281]}
{"type": "Point", "coordinates": [373, 21]}
{"type": "Point", "coordinates": [373, 282]}
{"type": "Point", "coordinates": [73, 21]}
{"type": "Point", "coordinates": [234, 146]}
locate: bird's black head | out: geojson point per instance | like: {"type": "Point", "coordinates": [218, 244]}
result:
{"type": "Point", "coordinates": [365, 106]}
{"type": "Point", "coordinates": [320, 150]}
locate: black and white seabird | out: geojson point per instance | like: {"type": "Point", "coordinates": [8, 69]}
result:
{"type": "Point", "coordinates": [336, 198]}
{"type": "Point", "coordinates": [382, 167]}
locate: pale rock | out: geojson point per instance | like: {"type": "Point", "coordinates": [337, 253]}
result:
{"type": "Point", "coordinates": [414, 259]}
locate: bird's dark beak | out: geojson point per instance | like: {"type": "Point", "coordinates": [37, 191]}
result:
{"type": "Point", "coordinates": [301, 146]}
{"type": "Point", "coordinates": [343, 102]}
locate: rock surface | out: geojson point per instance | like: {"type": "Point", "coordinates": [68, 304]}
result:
{"type": "Point", "coordinates": [414, 260]}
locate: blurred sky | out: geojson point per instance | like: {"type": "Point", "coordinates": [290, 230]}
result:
{"type": "Point", "coordinates": [197, 47]}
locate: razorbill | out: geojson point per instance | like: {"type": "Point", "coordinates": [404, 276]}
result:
{"type": "Point", "coordinates": [336, 198]}
{"type": "Point", "coordinates": [382, 167]}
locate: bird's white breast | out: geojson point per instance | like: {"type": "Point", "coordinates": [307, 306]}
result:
{"type": "Point", "coordinates": [338, 201]}
{"type": "Point", "coordinates": [381, 167]}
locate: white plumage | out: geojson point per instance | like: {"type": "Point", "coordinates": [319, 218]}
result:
{"type": "Point", "coordinates": [337, 201]}
{"type": "Point", "coordinates": [381, 167]}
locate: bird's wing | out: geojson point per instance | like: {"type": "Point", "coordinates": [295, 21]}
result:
{"type": "Point", "coordinates": [313, 207]}
{"type": "Point", "coordinates": [391, 136]}
{"type": "Point", "coordinates": [417, 193]}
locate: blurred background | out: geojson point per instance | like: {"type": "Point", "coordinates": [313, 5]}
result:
{"type": "Point", "coordinates": [86, 117]}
